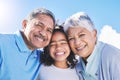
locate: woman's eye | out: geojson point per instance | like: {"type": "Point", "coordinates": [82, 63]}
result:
{"type": "Point", "coordinates": [81, 35]}
{"type": "Point", "coordinates": [69, 39]}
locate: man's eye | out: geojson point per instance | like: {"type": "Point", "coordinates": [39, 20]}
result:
{"type": "Point", "coordinates": [38, 26]}
{"type": "Point", "coordinates": [50, 30]}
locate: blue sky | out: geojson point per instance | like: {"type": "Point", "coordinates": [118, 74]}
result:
{"type": "Point", "coordinates": [102, 12]}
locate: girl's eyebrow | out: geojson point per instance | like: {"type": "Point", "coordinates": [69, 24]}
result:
{"type": "Point", "coordinates": [59, 40]}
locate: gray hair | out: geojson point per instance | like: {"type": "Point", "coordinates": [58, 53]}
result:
{"type": "Point", "coordinates": [80, 19]}
{"type": "Point", "coordinates": [35, 12]}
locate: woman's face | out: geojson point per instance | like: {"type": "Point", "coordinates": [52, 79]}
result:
{"type": "Point", "coordinates": [82, 41]}
{"type": "Point", "coordinates": [59, 48]}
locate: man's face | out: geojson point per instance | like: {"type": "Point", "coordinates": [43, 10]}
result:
{"type": "Point", "coordinates": [81, 41]}
{"type": "Point", "coordinates": [38, 31]}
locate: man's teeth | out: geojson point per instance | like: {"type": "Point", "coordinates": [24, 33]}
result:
{"type": "Point", "coordinates": [39, 38]}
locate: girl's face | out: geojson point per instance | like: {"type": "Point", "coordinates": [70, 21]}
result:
{"type": "Point", "coordinates": [59, 48]}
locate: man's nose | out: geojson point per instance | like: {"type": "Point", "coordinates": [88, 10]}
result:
{"type": "Point", "coordinates": [43, 32]}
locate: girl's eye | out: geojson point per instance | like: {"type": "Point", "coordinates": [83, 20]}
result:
{"type": "Point", "coordinates": [64, 42]}
{"type": "Point", "coordinates": [52, 44]}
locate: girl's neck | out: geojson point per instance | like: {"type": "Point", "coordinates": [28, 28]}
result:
{"type": "Point", "coordinates": [63, 65]}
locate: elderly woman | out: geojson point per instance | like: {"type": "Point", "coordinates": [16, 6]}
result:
{"type": "Point", "coordinates": [98, 60]}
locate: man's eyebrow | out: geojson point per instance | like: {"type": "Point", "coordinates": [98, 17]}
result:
{"type": "Point", "coordinates": [40, 23]}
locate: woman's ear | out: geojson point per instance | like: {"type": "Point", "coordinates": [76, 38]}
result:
{"type": "Point", "coordinates": [95, 34]}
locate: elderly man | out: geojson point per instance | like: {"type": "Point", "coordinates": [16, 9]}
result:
{"type": "Point", "coordinates": [19, 52]}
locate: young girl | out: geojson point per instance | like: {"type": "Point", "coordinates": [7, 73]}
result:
{"type": "Point", "coordinates": [57, 60]}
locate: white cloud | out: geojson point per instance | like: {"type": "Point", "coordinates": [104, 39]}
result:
{"type": "Point", "coordinates": [110, 36]}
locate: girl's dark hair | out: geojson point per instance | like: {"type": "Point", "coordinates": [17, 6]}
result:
{"type": "Point", "coordinates": [47, 60]}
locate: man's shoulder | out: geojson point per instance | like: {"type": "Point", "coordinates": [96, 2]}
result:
{"type": "Point", "coordinates": [2, 36]}
{"type": "Point", "coordinates": [6, 38]}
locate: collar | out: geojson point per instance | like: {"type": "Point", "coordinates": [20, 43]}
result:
{"type": "Point", "coordinates": [20, 42]}
{"type": "Point", "coordinates": [92, 61]}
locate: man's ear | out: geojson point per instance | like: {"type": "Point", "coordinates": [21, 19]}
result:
{"type": "Point", "coordinates": [24, 24]}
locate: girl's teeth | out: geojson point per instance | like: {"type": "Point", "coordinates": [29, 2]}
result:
{"type": "Point", "coordinates": [60, 53]}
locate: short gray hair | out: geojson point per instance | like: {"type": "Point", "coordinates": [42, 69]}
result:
{"type": "Point", "coordinates": [45, 11]}
{"type": "Point", "coordinates": [80, 19]}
